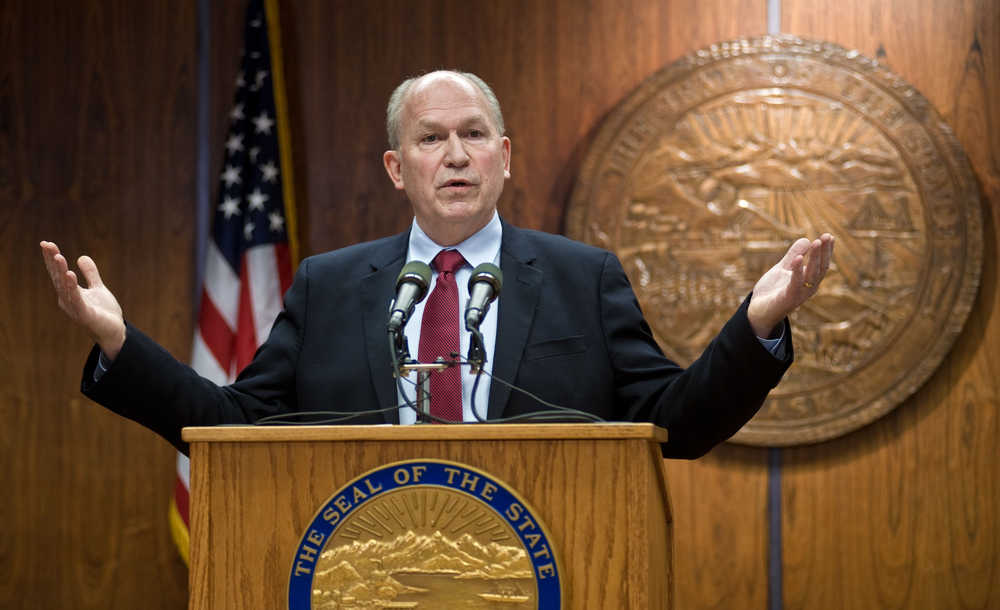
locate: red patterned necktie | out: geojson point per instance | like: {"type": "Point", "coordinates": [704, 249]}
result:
{"type": "Point", "coordinates": [439, 336]}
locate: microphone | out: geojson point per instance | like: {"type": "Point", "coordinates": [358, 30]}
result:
{"type": "Point", "coordinates": [411, 287]}
{"type": "Point", "coordinates": [484, 287]}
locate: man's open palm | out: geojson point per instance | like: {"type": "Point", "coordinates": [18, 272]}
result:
{"type": "Point", "coordinates": [93, 306]}
{"type": "Point", "coordinates": [790, 283]}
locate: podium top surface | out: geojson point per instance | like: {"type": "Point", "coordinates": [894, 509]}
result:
{"type": "Point", "coordinates": [425, 432]}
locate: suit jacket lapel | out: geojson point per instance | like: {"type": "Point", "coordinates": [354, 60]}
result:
{"type": "Point", "coordinates": [518, 303]}
{"type": "Point", "coordinates": [377, 289]}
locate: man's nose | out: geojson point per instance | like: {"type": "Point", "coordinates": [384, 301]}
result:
{"type": "Point", "coordinates": [454, 152]}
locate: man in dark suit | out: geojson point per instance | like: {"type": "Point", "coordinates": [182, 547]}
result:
{"type": "Point", "coordinates": [567, 327]}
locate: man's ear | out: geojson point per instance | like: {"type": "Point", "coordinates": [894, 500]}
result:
{"type": "Point", "coordinates": [394, 167]}
{"type": "Point", "coordinates": [505, 142]}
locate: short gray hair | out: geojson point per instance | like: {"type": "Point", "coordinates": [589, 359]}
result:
{"type": "Point", "coordinates": [395, 107]}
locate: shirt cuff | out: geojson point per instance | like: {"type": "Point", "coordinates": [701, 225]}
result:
{"type": "Point", "coordinates": [103, 364]}
{"type": "Point", "coordinates": [775, 346]}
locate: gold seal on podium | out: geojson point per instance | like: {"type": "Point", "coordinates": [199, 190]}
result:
{"type": "Point", "coordinates": [425, 533]}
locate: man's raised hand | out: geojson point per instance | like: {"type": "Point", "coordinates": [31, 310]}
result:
{"type": "Point", "coordinates": [790, 283]}
{"type": "Point", "coordinates": [93, 306]}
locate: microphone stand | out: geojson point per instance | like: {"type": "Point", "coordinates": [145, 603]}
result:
{"type": "Point", "coordinates": [477, 349]}
{"type": "Point", "coordinates": [424, 371]}
{"type": "Point", "coordinates": [477, 357]}
{"type": "Point", "coordinates": [403, 365]}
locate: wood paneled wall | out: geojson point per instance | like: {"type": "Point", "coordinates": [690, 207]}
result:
{"type": "Point", "coordinates": [904, 513]}
{"type": "Point", "coordinates": [97, 152]}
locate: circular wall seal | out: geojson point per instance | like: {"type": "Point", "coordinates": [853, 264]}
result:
{"type": "Point", "coordinates": [701, 179]}
{"type": "Point", "coordinates": [425, 533]}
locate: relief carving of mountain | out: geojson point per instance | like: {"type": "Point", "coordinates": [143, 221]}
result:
{"type": "Point", "coordinates": [434, 553]}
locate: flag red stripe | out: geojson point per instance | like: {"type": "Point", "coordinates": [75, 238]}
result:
{"type": "Point", "coordinates": [181, 498]}
{"type": "Point", "coordinates": [284, 260]}
{"type": "Point", "coordinates": [216, 333]}
{"type": "Point", "coordinates": [246, 336]}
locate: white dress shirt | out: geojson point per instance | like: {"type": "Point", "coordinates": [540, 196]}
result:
{"type": "Point", "coordinates": [482, 247]}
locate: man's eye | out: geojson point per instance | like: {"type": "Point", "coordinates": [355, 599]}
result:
{"type": "Point", "coordinates": [475, 133]}
{"type": "Point", "coordinates": [429, 138]}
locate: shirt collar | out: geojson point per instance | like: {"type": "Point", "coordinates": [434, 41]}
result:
{"type": "Point", "coordinates": [481, 247]}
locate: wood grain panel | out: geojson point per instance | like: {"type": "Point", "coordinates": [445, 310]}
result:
{"type": "Point", "coordinates": [470, 432]}
{"type": "Point", "coordinates": [96, 112]}
{"type": "Point", "coordinates": [558, 68]}
{"type": "Point", "coordinates": [720, 528]}
{"type": "Point", "coordinates": [904, 513]}
{"type": "Point", "coordinates": [584, 491]}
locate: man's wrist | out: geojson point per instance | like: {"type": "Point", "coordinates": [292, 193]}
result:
{"type": "Point", "coordinates": [763, 327]}
{"type": "Point", "coordinates": [111, 346]}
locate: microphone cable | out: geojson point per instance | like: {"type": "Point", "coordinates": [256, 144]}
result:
{"type": "Point", "coordinates": [555, 413]}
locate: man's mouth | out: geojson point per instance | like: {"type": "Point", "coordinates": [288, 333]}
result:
{"type": "Point", "coordinates": [457, 183]}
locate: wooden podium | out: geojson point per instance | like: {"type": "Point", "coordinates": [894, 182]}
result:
{"type": "Point", "coordinates": [599, 491]}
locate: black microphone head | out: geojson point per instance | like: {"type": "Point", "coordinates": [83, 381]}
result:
{"type": "Point", "coordinates": [487, 272]}
{"type": "Point", "coordinates": [417, 272]}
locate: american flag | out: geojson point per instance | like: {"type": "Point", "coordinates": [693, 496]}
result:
{"type": "Point", "coordinates": [249, 258]}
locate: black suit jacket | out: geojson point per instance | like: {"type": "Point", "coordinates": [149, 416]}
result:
{"type": "Point", "coordinates": [570, 330]}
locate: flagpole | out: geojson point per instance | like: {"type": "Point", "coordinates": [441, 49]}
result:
{"type": "Point", "coordinates": [284, 131]}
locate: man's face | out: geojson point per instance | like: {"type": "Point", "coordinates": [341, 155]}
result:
{"type": "Point", "coordinates": [452, 161]}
